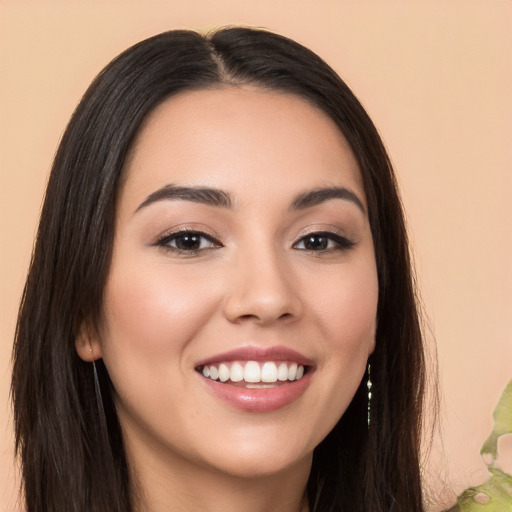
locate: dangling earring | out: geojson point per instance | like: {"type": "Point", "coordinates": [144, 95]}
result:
{"type": "Point", "coordinates": [369, 386]}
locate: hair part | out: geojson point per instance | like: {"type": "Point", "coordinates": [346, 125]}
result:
{"type": "Point", "coordinates": [68, 463]}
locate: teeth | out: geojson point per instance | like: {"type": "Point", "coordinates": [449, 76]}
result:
{"type": "Point", "coordinates": [282, 372]}
{"type": "Point", "coordinates": [269, 372]}
{"type": "Point", "coordinates": [223, 373]}
{"type": "Point", "coordinates": [237, 372]}
{"type": "Point", "coordinates": [292, 371]}
{"type": "Point", "coordinates": [214, 372]}
{"type": "Point", "coordinates": [254, 372]}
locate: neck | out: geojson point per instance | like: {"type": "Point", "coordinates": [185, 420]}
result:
{"type": "Point", "coordinates": [186, 487]}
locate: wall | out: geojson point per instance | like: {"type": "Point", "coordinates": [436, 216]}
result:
{"type": "Point", "coordinates": [435, 77]}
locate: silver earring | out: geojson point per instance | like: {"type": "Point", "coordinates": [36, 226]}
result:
{"type": "Point", "coordinates": [369, 386]}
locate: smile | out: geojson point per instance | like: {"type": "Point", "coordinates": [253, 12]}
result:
{"type": "Point", "coordinates": [254, 372]}
{"type": "Point", "coordinates": [256, 379]}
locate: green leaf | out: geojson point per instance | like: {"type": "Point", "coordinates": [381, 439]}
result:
{"type": "Point", "coordinates": [495, 495]}
{"type": "Point", "coordinates": [502, 423]}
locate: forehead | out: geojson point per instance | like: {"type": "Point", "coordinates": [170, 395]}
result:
{"type": "Point", "coordinates": [240, 136]}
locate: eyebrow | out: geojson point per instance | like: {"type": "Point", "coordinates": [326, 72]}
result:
{"type": "Point", "coordinates": [204, 195]}
{"type": "Point", "coordinates": [222, 199]}
{"type": "Point", "coordinates": [320, 195]}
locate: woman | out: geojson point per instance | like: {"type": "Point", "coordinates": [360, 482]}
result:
{"type": "Point", "coordinates": [220, 311]}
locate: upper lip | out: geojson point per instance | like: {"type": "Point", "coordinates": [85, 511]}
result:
{"type": "Point", "coordinates": [253, 353]}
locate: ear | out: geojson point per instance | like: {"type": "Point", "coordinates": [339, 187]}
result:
{"type": "Point", "coordinates": [87, 343]}
{"type": "Point", "coordinates": [373, 341]}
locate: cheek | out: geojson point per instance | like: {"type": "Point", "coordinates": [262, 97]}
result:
{"type": "Point", "coordinates": [346, 307]}
{"type": "Point", "coordinates": [150, 317]}
{"type": "Point", "coordinates": [151, 313]}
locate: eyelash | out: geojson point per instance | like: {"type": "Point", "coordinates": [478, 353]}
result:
{"type": "Point", "coordinates": [342, 243]}
{"type": "Point", "coordinates": [166, 240]}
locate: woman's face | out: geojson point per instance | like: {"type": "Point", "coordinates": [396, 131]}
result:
{"type": "Point", "coordinates": [242, 257]}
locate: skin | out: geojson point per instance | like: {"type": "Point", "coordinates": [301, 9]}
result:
{"type": "Point", "coordinates": [257, 284]}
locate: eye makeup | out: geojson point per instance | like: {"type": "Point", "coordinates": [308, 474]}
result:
{"type": "Point", "coordinates": [187, 241]}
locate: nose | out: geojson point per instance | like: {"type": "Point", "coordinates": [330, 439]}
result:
{"type": "Point", "coordinates": [262, 290]}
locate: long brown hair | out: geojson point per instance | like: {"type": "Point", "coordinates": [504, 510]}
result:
{"type": "Point", "coordinates": [69, 462]}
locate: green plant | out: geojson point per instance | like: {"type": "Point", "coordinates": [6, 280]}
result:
{"type": "Point", "coordinates": [495, 495]}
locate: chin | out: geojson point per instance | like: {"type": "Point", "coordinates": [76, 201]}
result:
{"type": "Point", "coordinates": [263, 465]}
{"type": "Point", "coordinates": [260, 454]}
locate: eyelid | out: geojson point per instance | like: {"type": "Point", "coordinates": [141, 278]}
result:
{"type": "Point", "coordinates": [338, 236]}
{"type": "Point", "coordinates": [199, 229]}
{"type": "Point", "coordinates": [164, 240]}
{"type": "Point", "coordinates": [326, 229]}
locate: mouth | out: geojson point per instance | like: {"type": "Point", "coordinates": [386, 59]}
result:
{"type": "Point", "coordinates": [254, 374]}
{"type": "Point", "coordinates": [255, 379]}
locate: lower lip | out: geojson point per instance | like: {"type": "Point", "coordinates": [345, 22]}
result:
{"type": "Point", "coordinates": [259, 400]}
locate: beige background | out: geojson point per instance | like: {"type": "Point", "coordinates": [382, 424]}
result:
{"type": "Point", "coordinates": [435, 76]}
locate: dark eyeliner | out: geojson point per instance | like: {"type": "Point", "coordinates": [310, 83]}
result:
{"type": "Point", "coordinates": [165, 240]}
{"type": "Point", "coordinates": [342, 242]}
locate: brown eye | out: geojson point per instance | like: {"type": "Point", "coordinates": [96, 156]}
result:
{"type": "Point", "coordinates": [315, 243]}
{"type": "Point", "coordinates": [187, 242]}
{"type": "Point", "coordinates": [323, 242]}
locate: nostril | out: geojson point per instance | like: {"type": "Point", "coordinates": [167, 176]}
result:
{"type": "Point", "coordinates": [248, 317]}
{"type": "Point", "coordinates": [262, 295]}
{"type": "Point", "coordinates": [264, 317]}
